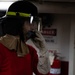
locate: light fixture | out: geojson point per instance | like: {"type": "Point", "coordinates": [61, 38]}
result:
{"type": "Point", "coordinates": [4, 4]}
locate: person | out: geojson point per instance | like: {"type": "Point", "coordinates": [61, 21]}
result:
{"type": "Point", "coordinates": [17, 57]}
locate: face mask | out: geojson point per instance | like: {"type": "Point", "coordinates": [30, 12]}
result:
{"type": "Point", "coordinates": [34, 21]}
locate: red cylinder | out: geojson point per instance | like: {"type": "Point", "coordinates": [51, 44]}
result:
{"type": "Point", "coordinates": [55, 67]}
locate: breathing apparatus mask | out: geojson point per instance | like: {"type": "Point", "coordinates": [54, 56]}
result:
{"type": "Point", "coordinates": [35, 23]}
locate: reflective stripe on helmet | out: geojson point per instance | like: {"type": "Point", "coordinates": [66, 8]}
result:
{"type": "Point", "coordinates": [19, 13]}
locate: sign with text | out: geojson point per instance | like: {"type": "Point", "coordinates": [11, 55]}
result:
{"type": "Point", "coordinates": [50, 32]}
{"type": "Point", "coordinates": [50, 35]}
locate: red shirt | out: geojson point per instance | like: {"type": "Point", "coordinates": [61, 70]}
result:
{"type": "Point", "coordinates": [11, 64]}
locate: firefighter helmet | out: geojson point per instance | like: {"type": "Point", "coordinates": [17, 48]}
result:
{"type": "Point", "coordinates": [17, 13]}
{"type": "Point", "coordinates": [22, 9]}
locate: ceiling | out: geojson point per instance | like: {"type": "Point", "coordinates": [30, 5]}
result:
{"type": "Point", "coordinates": [52, 1]}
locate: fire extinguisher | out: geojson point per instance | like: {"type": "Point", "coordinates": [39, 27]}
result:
{"type": "Point", "coordinates": [56, 67]}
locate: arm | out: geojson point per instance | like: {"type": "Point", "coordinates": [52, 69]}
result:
{"type": "Point", "coordinates": [34, 58]}
{"type": "Point", "coordinates": [43, 55]}
{"type": "Point", "coordinates": [44, 64]}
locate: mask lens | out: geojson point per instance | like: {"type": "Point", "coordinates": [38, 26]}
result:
{"type": "Point", "coordinates": [36, 22]}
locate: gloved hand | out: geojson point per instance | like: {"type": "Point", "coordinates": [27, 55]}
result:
{"type": "Point", "coordinates": [44, 63]}
{"type": "Point", "coordinates": [39, 41]}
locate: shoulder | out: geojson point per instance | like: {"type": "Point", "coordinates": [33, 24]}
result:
{"type": "Point", "coordinates": [1, 46]}
{"type": "Point", "coordinates": [31, 49]}
{"type": "Point", "coordinates": [2, 50]}
{"type": "Point", "coordinates": [29, 46]}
